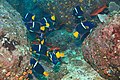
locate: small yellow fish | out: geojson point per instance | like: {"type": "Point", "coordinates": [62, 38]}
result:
{"type": "Point", "coordinates": [33, 17]}
{"type": "Point", "coordinates": [42, 28]}
{"type": "Point", "coordinates": [46, 73]}
{"type": "Point", "coordinates": [42, 42]}
{"type": "Point", "coordinates": [76, 34]}
{"type": "Point", "coordinates": [53, 18]}
{"type": "Point", "coordinates": [58, 54]}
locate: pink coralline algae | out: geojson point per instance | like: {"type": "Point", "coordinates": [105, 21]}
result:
{"type": "Point", "coordinates": [102, 49]}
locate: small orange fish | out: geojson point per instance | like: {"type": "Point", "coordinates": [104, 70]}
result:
{"type": "Point", "coordinates": [97, 11]}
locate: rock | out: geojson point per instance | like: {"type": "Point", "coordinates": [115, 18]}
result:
{"type": "Point", "coordinates": [11, 28]}
{"type": "Point", "coordinates": [101, 48]}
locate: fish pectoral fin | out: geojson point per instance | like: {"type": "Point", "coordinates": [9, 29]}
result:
{"type": "Point", "coordinates": [42, 42]}
{"type": "Point", "coordinates": [47, 24]}
{"type": "Point", "coordinates": [46, 73]}
{"type": "Point", "coordinates": [33, 17]}
{"type": "Point", "coordinates": [87, 27]}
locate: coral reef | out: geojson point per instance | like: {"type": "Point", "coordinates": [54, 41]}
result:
{"type": "Point", "coordinates": [13, 50]}
{"type": "Point", "coordinates": [102, 48]}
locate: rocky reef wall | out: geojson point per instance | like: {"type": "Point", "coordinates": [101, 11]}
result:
{"type": "Point", "coordinates": [102, 48]}
{"type": "Point", "coordinates": [14, 56]}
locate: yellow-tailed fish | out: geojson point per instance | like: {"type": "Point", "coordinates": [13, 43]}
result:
{"type": "Point", "coordinates": [76, 34]}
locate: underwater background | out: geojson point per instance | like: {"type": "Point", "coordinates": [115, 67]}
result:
{"type": "Point", "coordinates": [59, 39]}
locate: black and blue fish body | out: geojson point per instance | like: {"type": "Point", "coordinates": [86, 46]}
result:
{"type": "Point", "coordinates": [36, 48]}
{"type": "Point", "coordinates": [78, 12]}
{"type": "Point", "coordinates": [91, 25]}
{"type": "Point", "coordinates": [44, 50]}
{"type": "Point", "coordinates": [33, 26]}
{"type": "Point", "coordinates": [85, 27]}
{"type": "Point", "coordinates": [32, 61]}
{"type": "Point", "coordinates": [48, 22]}
{"type": "Point", "coordinates": [29, 26]}
{"type": "Point", "coordinates": [36, 66]}
{"type": "Point", "coordinates": [28, 17]}
{"type": "Point", "coordinates": [53, 58]}
{"type": "Point", "coordinates": [39, 49]}
{"type": "Point", "coordinates": [80, 29]}
{"type": "Point", "coordinates": [43, 21]}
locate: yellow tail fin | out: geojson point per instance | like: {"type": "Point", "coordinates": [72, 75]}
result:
{"type": "Point", "coordinates": [33, 17]}
{"type": "Point", "coordinates": [62, 55]}
{"type": "Point", "coordinates": [42, 28]}
{"type": "Point", "coordinates": [46, 74]}
{"type": "Point", "coordinates": [53, 17]}
{"type": "Point", "coordinates": [76, 34]}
